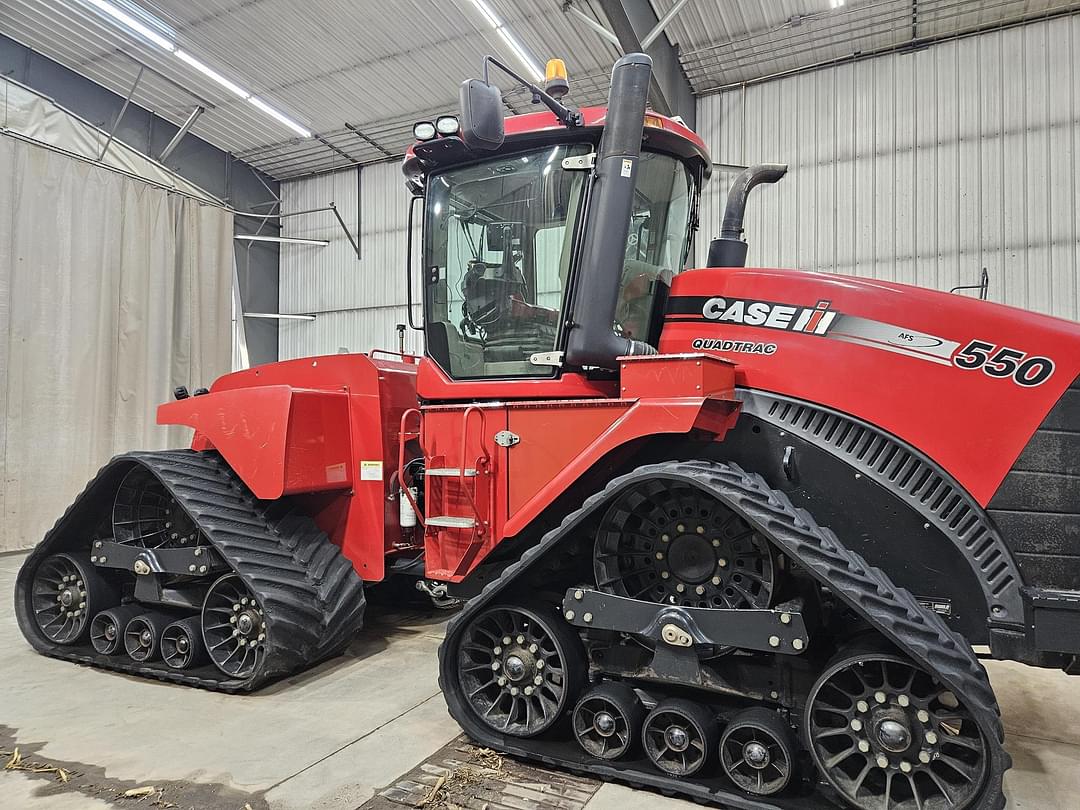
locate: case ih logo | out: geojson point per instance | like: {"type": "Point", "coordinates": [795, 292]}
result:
{"type": "Point", "coordinates": [816, 320]}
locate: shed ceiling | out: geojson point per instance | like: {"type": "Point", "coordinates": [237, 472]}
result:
{"type": "Point", "coordinates": [359, 74]}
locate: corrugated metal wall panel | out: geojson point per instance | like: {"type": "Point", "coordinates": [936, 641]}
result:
{"type": "Point", "coordinates": [356, 302]}
{"type": "Point", "coordinates": [919, 167]}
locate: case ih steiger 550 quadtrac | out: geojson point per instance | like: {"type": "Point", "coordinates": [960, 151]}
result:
{"type": "Point", "coordinates": [631, 470]}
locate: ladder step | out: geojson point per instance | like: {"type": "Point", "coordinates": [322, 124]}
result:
{"type": "Point", "coordinates": [451, 521]}
{"type": "Point", "coordinates": [449, 472]}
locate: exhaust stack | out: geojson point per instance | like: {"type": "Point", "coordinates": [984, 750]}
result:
{"type": "Point", "coordinates": [592, 341]}
{"type": "Point", "coordinates": [729, 249]}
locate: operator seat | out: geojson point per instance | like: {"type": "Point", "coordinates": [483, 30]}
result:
{"type": "Point", "coordinates": [637, 297]}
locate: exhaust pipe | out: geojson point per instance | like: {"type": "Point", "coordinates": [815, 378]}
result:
{"type": "Point", "coordinates": [729, 249]}
{"type": "Point", "coordinates": [592, 341]}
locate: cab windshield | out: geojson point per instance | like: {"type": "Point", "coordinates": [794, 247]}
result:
{"type": "Point", "coordinates": [498, 245]}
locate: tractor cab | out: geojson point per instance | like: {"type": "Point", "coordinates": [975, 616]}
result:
{"type": "Point", "coordinates": [502, 256]}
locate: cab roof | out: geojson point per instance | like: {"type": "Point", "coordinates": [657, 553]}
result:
{"type": "Point", "coordinates": [661, 133]}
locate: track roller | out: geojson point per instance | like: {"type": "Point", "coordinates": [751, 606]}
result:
{"type": "Point", "coordinates": [680, 736]}
{"type": "Point", "coordinates": [142, 636]}
{"type": "Point", "coordinates": [757, 751]}
{"type": "Point", "coordinates": [607, 720]}
{"type": "Point", "coordinates": [182, 644]}
{"type": "Point", "coordinates": [107, 628]}
{"type": "Point", "coordinates": [522, 668]}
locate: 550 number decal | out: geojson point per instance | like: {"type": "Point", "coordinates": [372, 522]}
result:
{"type": "Point", "coordinates": [1003, 362]}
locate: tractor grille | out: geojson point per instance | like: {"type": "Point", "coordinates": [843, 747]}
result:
{"type": "Point", "coordinates": [1037, 506]}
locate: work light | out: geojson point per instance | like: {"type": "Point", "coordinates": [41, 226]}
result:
{"type": "Point", "coordinates": [447, 124]}
{"type": "Point", "coordinates": [423, 130]}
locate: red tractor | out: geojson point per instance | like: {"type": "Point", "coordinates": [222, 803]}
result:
{"type": "Point", "coordinates": [630, 470]}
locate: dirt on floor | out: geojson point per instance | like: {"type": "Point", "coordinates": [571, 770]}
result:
{"type": "Point", "coordinates": [67, 777]}
{"type": "Point", "coordinates": [461, 776]}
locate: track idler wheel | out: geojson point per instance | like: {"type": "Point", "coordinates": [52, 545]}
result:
{"type": "Point", "coordinates": [680, 736]}
{"type": "Point", "coordinates": [521, 668]}
{"type": "Point", "coordinates": [107, 629]}
{"type": "Point", "coordinates": [234, 627]}
{"type": "Point", "coordinates": [65, 593]}
{"type": "Point", "coordinates": [757, 752]}
{"type": "Point", "coordinates": [608, 719]}
{"type": "Point", "coordinates": [182, 644]}
{"type": "Point", "coordinates": [142, 636]}
{"type": "Point", "coordinates": [885, 733]}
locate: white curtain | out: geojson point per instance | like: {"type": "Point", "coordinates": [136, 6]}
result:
{"type": "Point", "coordinates": [112, 293]}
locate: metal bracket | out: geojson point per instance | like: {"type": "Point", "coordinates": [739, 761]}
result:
{"type": "Point", "coordinates": [779, 630]}
{"type": "Point", "coordinates": [183, 560]}
{"type": "Point", "coordinates": [120, 115]}
{"type": "Point", "coordinates": [579, 163]}
{"type": "Point", "coordinates": [505, 438]}
{"type": "Point", "coordinates": [180, 133]}
{"type": "Point", "coordinates": [547, 359]}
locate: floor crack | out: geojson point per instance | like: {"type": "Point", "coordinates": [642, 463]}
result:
{"type": "Point", "coordinates": [363, 736]}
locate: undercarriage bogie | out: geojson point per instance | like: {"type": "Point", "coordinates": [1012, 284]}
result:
{"type": "Point", "coordinates": [816, 683]}
{"type": "Point", "coordinates": [167, 567]}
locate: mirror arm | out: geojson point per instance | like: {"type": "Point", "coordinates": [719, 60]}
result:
{"type": "Point", "coordinates": [569, 117]}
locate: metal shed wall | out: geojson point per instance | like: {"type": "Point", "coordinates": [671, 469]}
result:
{"type": "Point", "coordinates": [920, 167]}
{"type": "Point", "coordinates": [356, 303]}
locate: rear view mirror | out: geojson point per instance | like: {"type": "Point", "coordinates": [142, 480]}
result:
{"type": "Point", "coordinates": [481, 115]}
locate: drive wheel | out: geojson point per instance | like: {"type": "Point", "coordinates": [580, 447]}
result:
{"type": "Point", "coordinates": [757, 752]}
{"type": "Point", "coordinates": [65, 593]}
{"type": "Point", "coordinates": [679, 736]}
{"type": "Point", "coordinates": [885, 733]}
{"type": "Point", "coordinates": [146, 515]}
{"type": "Point", "coordinates": [671, 543]}
{"type": "Point", "coordinates": [607, 720]}
{"type": "Point", "coordinates": [519, 668]}
{"type": "Point", "coordinates": [233, 627]}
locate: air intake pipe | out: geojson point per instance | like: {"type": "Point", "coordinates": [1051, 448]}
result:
{"type": "Point", "coordinates": [729, 249]}
{"type": "Point", "coordinates": [592, 340]}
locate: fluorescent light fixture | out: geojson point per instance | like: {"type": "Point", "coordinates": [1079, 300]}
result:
{"type": "Point", "coordinates": [122, 16]}
{"type": "Point", "coordinates": [523, 56]}
{"type": "Point", "coordinates": [290, 240]}
{"type": "Point", "coordinates": [835, 3]}
{"type": "Point", "coordinates": [133, 24]}
{"type": "Point", "coordinates": [278, 316]}
{"type": "Point", "coordinates": [280, 116]}
{"type": "Point", "coordinates": [210, 73]}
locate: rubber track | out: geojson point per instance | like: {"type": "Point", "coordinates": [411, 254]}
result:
{"type": "Point", "coordinates": [310, 594]}
{"type": "Point", "coordinates": [894, 612]}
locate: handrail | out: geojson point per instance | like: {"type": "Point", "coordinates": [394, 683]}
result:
{"type": "Point", "coordinates": [405, 356]}
{"type": "Point", "coordinates": [482, 460]}
{"type": "Point", "coordinates": [402, 434]}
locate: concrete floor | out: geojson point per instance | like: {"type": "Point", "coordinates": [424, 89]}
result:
{"type": "Point", "coordinates": [330, 738]}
